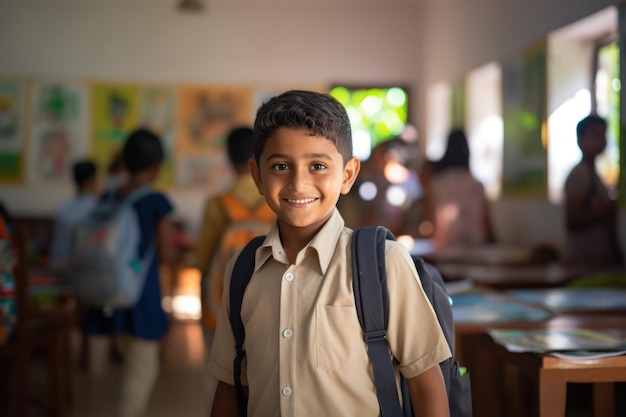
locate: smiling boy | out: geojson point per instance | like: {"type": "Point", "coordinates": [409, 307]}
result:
{"type": "Point", "coordinates": [305, 352]}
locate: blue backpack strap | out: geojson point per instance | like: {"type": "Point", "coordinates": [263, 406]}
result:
{"type": "Point", "coordinates": [369, 281]}
{"type": "Point", "coordinates": [242, 272]}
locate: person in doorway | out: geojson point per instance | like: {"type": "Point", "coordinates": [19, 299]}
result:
{"type": "Point", "coordinates": [590, 212]}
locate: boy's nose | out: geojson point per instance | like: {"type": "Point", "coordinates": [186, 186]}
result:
{"type": "Point", "coordinates": [299, 178]}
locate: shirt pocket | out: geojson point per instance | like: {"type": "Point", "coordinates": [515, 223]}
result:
{"type": "Point", "coordinates": [339, 343]}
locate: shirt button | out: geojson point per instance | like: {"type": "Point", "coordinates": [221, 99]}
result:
{"type": "Point", "coordinates": [287, 391]}
{"type": "Point", "coordinates": [289, 276]}
{"type": "Point", "coordinates": [287, 333]}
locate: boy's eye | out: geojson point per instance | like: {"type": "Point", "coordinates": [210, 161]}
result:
{"type": "Point", "coordinates": [318, 166]}
{"type": "Point", "coordinates": [280, 166]}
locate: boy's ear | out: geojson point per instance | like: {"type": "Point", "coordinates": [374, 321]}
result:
{"type": "Point", "coordinates": [350, 172]}
{"type": "Point", "coordinates": [256, 175]}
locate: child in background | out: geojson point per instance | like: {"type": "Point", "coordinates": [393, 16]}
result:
{"type": "Point", "coordinates": [460, 209]}
{"type": "Point", "coordinates": [71, 212]}
{"type": "Point", "coordinates": [145, 324]}
{"type": "Point", "coordinates": [242, 201]}
{"type": "Point", "coordinates": [305, 352]}
{"type": "Point", "coordinates": [590, 213]}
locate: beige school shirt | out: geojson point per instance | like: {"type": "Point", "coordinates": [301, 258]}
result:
{"type": "Point", "coordinates": [305, 350]}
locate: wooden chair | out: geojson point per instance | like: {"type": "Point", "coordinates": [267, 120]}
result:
{"type": "Point", "coordinates": [39, 332]}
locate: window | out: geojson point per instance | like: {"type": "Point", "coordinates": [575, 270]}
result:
{"type": "Point", "coordinates": [376, 114]}
{"type": "Point", "coordinates": [606, 103]}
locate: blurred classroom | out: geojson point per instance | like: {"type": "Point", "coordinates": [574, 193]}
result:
{"type": "Point", "coordinates": [76, 77]}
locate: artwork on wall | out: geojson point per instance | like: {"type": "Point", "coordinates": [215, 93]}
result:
{"type": "Point", "coordinates": [158, 109]}
{"type": "Point", "coordinates": [114, 113]}
{"type": "Point", "coordinates": [12, 135]}
{"type": "Point", "coordinates": [117, 110]}
{"type": "Point", "coordinates": [59, 131]}
{"type": "Point", "coordinates": [524, 110]}
{"type": "Point", "coordinates": [205, 116]}
{"type": "Point", "coordinates": [46, 128]}
{"type": "Point", "coordinates": [206, 171]}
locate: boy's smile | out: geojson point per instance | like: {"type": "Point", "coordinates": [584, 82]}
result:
{"type": "Point", "coordinates": [301, 176]}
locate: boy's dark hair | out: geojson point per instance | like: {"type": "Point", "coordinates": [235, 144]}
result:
{"type": "Point", "coordinates": [142, 150]}
{"type": "Point", "coordinates": [320, 113]}
{"type": "Point", "coordinates": [587, 123]}
{"type": "Point", "coordinates": [240, 144]}
{"type": "Point", "coordinates": [83, 171]}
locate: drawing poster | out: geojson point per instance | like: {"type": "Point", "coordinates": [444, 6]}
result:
{"type": "Point", "coordinates": [59, 131]}
{"type": "Point", "coordinates": [205, 116]}
{"type": "Point", "coordinates": [158, 109]}
{"type": "Point", "coordinates": [12, 113]}
{"type": "Point", "coordinates": [115, 112]}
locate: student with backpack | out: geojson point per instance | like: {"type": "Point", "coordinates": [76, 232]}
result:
{"type": "Point", "coordinates": [305, 353]}
{"type": "Point", "coordinates": [73, 210]}
{"type": "Point", "coordinates": [230, 220]}
{"type": "Point", "coordinates": [139, 316]}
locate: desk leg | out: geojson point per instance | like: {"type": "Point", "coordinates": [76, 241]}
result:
{"type": "Point", "coordinates": [603, 399]}
{"type": "Point", "coordinates": [552, 393]}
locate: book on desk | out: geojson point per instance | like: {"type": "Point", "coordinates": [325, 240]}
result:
{"type": "Point", "coordinates": [562, 300]}
{"type": "Point", "coordinates": [489, 307]}
{"type": "Point", "coordinates": [560, 340]}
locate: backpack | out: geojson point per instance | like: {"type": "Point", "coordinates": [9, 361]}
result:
{"type": "Point", "coordinates": [105, 269]}
{"type": "Point", "coordinates": [371, 297]}
{"type": "Point", "coordinates": [243, 225]}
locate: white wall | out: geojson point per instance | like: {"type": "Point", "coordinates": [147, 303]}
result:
{"type": "Point", "coordinates": [293, 44]}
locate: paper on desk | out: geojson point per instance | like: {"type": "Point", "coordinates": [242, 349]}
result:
{"type": "Point", "coordinates": [585, 354]}
{"type": "Point", "coordinates": [550, 340]}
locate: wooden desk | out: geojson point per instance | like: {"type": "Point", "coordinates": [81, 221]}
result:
{"type": "Point", "coordinates": [555, 373]}
{"type": "Point", "coordinates": [522, 384]}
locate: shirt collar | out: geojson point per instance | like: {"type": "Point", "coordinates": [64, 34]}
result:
{"type": "Point", "coordinates": [324, 243]}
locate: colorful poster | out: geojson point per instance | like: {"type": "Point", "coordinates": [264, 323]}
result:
{"type": "Point", "coordinates": [158, 109]}
{"type": "Point", "coordinates": [12, 113]}
{"type": "Point", "coordinates": [114, 114]}
{"type": "Point", "coordinates": [209, 172]}
{"type": "Point", "coordinates": [59, 131]}
{"type": "Point", "coordinates": [205, 116]}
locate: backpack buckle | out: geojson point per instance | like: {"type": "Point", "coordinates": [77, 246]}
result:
{"type": "Point", "coordinates": [375, 335]}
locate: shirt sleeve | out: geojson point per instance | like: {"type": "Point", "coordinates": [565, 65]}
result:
{"type": "Point", "coordinates": [414, 334]}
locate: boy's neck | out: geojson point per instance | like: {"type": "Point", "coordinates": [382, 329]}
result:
{"type": "Point", "coordinates": [294, 239]}
{"type": "Point", "coordinates": [590, 160]}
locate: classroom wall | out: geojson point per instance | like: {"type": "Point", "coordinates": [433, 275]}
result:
{"type": "Point", "coordinates": [286, 43]}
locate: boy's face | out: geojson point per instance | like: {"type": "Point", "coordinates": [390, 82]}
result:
{"type": "Point", "coordinates": [593, 141]}
{"type": "Point", "coordinates": [301, 177]}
